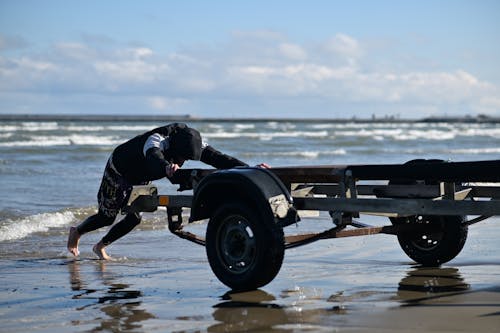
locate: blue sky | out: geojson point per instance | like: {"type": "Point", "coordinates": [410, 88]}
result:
{"type": "Point", "coordinates": [251, 59]}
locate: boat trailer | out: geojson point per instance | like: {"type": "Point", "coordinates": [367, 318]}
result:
{"type": "Point", "coordinates": [430, 205]}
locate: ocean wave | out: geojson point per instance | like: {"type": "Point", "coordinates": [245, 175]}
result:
{"type": "Point", "coordinates": [54, 126]}
{"type": "Point", "coordinates": [100, 128]}
{"type": "Point", "coordinates": [266, 135]}
{"type": "Point", "coordinates": [81, 140]}
{"type": "Point", "coordinates": [240, 127]}
{"type": "Point", "coordinates": [399, 134]}
{"type": "Point", "coordinates": [281, 126]}
{"type": "Point", "coordinates": [30, 127]}
{"type": "Point", "coordinates": [492, 150]}
{"type": "Point", "coordinates": [8, 128]}
{"type": "Point", "coordinates": [11, 229]}
{"type": "Point", "coordinates": [426, 135]}
{"type": "Point", "coordinates": [303, 154]}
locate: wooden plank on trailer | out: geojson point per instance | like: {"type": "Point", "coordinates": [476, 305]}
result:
{"type": "Point", "coordinates": [460, 195]}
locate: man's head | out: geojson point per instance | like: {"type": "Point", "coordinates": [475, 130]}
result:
{"type": "Point", "coordinates": [185, 144]}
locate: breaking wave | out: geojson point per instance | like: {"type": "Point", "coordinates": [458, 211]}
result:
{"type": "Point", "coordinates": [303, 154]}
{"type": "Point", "coordinates": [266, 135]}
{"type": "Point", "coordinates": [17, 228]}
{"type": "Point", "coordinates": [54, 140]}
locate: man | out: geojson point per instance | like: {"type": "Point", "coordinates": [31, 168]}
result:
{"type": "Point", "coordinates": [149, 156]}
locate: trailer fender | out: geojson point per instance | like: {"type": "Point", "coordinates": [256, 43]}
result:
{"type": "Point", "coordinates": [257, 187]}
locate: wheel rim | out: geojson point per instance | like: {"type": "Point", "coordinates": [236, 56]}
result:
{"type": "Point", "coordinates": [428, 240]}
{"type": "Point", "coordinates": [236, 245]}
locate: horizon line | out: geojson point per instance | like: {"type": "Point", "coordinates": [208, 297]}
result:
{"type": "Point", "coordinates": [191, 118]}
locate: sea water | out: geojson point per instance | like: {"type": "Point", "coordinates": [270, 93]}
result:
{"type": "Point", "coordinates": [50, 171]}
{"type": "Point", "coordinates": [49, 177]}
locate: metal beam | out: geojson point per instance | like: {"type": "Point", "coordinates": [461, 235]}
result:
{"type": "Point", "coordinates": [400, 206]}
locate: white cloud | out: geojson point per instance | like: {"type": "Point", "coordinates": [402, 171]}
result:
{"type": "Point", "coordinates": [157, 102]}
{"type": "Point", "coordinates": [261, 65]}
{"type": "Point", "coordinates": [161, 103]}
{"type": "Point", "coordinates": [344, 46]}
{"type": "Point", "coordinates": [124, 71]}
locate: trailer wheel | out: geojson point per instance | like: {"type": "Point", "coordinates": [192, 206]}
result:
{"type": "Point", "coordinates": [441, 240]}
{"type": "Point", "coordinates": [244, 247]}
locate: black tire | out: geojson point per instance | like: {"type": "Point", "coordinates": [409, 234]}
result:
{"type": "Point", "coordinates": [244, 247]}
{"type": "Point", "coordinates": [441, 239]}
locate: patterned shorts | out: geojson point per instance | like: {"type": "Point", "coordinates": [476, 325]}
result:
{"type": "Point", "coordinates": [113, 192]}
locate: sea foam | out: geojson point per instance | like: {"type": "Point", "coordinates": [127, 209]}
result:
{"type": "Point", "coordinates": [12, 229]}
{"type": "Point", "coordinates": [53, 140]}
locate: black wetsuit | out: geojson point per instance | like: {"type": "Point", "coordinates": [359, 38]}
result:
{"type": "Point", "coordinates": [139, 161]}
{"type": "Point", "coordinates": [137, 167]}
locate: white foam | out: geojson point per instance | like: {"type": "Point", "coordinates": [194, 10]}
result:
{"type": "Point", "coordinates": [8, 128]}
{"type": "Point", "coordinates": [39, 126]}
{"type": "Point", "coordinates": [52, 140]}
{"type": "Point", "coordinates": [95, 128]}
{"type": "Point", "coordinates": [136, 128]}
{"type": "Point", "coordinates": [20, 228]}
{"type": "Point", "coordinates": [30, 127]}
{"type": "Point", "coordinates": [281, 126]}
{"type": "Point", "coordinates": [82, 128]}
{"type": "Point", "coordinates": [267, 135]}
{"type": "Point", "coordinates": [306, 154]}
{"type": "Point", "coordinates": [215, 126]}
{"type": "Point", "coordinates": [400, 134]}
{"type": "Point", "coordinates": [492, 150]}
{"type": "Point", "coordinates": [239, 127]}
{"type": "Point", "coordinates": [429, 135]}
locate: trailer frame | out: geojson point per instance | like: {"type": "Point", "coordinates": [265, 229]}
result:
{"type": "Point", "coordinates": [421, 198]}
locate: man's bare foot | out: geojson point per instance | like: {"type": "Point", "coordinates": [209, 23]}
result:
{"type": "Point", "coordinates": [99, 250]}
{"type": "Point", "coordinates": [73, 239]}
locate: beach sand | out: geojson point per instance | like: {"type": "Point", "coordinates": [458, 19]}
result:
{"type": "Point", "coordinates": [159, 283]}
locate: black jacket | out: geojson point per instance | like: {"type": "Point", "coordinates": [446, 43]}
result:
{"type": "Point", "coordinates": [133, 165]}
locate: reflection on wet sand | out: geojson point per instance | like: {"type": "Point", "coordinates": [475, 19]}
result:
{"type": "Point", "coordinates": [118, 302]}
{"type": "Point", "coordinates": [424, 283]}
{"type": "Point", "coordinates": [257, 310]}
{"type": "Point", "coordinates": [261, 311]}
{"type": "Point", "coordinates": [121, 307]}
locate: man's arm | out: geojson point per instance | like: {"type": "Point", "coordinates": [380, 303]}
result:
{"type": "Point", "coordinates": [219, 160]}
{"type": "Point", "coordinates": [157, 166]}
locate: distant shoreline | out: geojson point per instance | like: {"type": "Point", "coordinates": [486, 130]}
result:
{"type": "Point", "coordinates": [188, 118]}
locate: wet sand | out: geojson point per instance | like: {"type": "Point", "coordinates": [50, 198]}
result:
{"type": "Point", "coordinates": [159, 283]}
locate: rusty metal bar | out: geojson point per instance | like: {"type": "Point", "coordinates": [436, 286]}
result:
{"type": "Point", "coordinates": [190, 237]}
{"type": "Point", "coordinates": [303, 239]}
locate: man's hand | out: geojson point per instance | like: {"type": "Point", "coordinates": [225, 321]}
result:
{"type": "Point", "coordinates": [264, 166]}
{"type": "Point", "coordinates": [171, 169]}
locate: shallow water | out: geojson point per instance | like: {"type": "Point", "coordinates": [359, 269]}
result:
{"type": "Point", "coordinates": [161, 283]}
{"type": "Point", "coordinates": [50, 173]}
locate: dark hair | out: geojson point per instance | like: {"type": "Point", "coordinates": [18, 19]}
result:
{"type": "Point", "coordinates": [186, 143]}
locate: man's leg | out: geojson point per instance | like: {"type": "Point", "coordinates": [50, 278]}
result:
{"type": "Point", "coordinates": [93, 222]}
{"type": "Point", "coordinates": [127, 224]}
